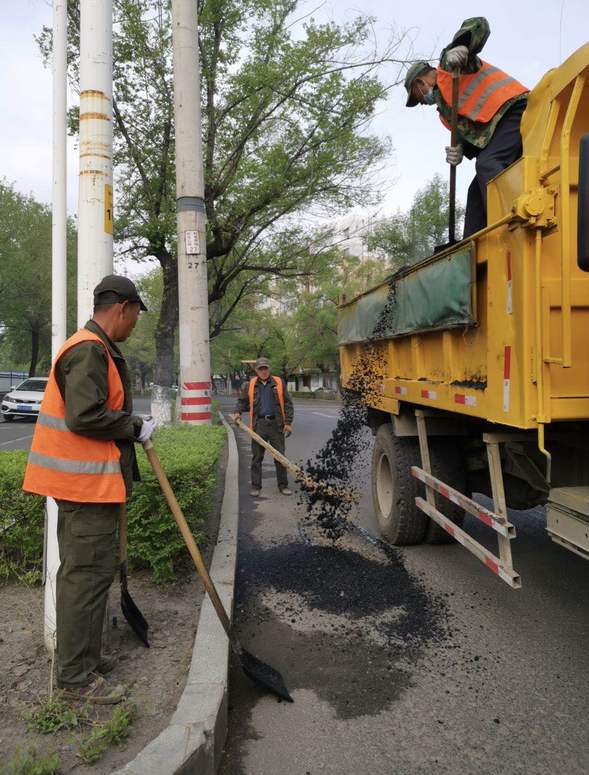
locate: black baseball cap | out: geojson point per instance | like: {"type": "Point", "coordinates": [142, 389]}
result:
{"type": "Point", "coordinates": [114, 288]}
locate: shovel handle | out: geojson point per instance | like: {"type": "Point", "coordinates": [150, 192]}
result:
{"type": "Point", "coordinates": [297, 471]}
{"type": "Point", "coordinates": [201, 568]}
{"type": "Point", "coordinates": [453, 141]}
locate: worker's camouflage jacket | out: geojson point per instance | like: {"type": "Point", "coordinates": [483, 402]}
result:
{"type": "Point", "coordinates": [473, 135]}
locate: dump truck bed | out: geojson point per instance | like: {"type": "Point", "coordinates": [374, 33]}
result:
{"type": "Point", "coordinates": [497, 327]}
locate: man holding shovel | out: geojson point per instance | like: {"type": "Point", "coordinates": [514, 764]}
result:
{"type": "Point", "coordinates": [271, 413]}
{"type": "Point", "coordinates": [490, 105]}
{"type": "Point", "coordinates": [83, 455]}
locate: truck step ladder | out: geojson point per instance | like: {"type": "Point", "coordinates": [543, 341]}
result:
{"type": "Point", "coordinates": [501, 566]}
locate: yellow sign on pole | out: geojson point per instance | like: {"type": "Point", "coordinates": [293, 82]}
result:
{"type": "Point", "coordinates": [108, 214]}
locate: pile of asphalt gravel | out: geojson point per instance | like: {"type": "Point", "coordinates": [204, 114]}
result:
{"type": "Point", "coordinates": [383, 620]}
{"type": "Point", "coordinates": [336, 462]}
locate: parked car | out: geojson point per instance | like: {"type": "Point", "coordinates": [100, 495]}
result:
{"type": "Point", "coordinates": [24, 400]}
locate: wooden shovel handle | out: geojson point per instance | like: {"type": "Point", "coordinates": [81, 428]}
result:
{"type": "Point", "coordinates": [187, 535]}
{"type": "Point", "coordinates": [453, 141]}
{"type": "Point", "coordinates": [299, 474]}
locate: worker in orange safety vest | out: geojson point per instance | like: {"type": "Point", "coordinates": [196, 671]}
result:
{"type": "Point", "coordinates": [82, 454]}
{"type": "Point", "coordinates": [271, 412]}
{"type": "Point", "coordinates": [490, 108]}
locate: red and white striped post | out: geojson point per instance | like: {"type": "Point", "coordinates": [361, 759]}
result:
{"type": "Point", "coordinates": [195, 402]}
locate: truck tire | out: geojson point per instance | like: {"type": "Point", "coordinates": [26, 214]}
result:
{"type": "Point", "coordinates": [394, 489]}
{"type": "Point", "coordinates": [447, 462]}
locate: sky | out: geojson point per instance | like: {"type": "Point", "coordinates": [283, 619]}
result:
{"type": "Point", "coordinates": [527, 38]}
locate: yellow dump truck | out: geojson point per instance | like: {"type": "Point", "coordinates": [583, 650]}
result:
{"type": "Point", "coordinates": [485, 386]}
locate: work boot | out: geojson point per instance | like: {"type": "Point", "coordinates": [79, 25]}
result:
{"type": "Point", "coordinates": [98, 692]}
{"type": "Point", "coordinates": [285, 491]}
{"type": "Point", "coordinates": [254, 492]}
{"type": "Point", "coordinates": [107, 663]}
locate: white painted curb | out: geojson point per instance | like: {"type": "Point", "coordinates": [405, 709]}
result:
{"type": "Point", "coordinates": [193, 741]}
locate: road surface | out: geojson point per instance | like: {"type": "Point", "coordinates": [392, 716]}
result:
{"type": "Point", "coordinates": [402, 662]}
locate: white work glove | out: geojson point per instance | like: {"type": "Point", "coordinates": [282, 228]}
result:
{"type": "Point", "coordinates": [146, 430]}
{"type": "Point", "coordinates": [454, 154]}
{"type": "Point", "coordinates": [456, 57]}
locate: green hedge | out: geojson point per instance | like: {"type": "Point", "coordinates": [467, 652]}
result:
{"type": "Point", "coordinates": [21, 523]}
{"type": "Point", "coordinates": [190, 457]}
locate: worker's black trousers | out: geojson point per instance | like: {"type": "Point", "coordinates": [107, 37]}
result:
{"type": "Point", "coordinates": [271, 432]}
{"type": "Point", "coordinates": [503, 149]}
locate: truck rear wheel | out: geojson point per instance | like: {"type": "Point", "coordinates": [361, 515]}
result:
{"type": "Point", "coordinates": [447, 463]}
{"type": "Point", "coordinates": [394, 489]}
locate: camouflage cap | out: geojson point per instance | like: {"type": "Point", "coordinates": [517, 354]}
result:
{"type": "Point", "coordinates": [262, 362]}
{"type": "Point", "coordinates": [417, 68]}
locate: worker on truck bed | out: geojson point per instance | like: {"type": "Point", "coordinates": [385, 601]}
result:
{"type": "Point", "coordinates": [490, 108]}
{"type": "Point", "coordinates": [271, 412]}
{"type": "Point", "coordinates": [83, 455]}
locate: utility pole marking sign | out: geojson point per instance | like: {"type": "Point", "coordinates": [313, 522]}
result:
{"type": "Point", "coordinates": [108, 215]}
{"type": "Point", "coordinates": [192, 243]}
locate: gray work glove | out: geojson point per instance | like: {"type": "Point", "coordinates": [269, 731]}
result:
{"type": "Point", "coordinates": [287, 430]}
{"type": "Point", "coordinates": [454, 154]}
{"type": "Point", "coordinates": [146, 430]}
{"type": "Point", "coordinates": [456, 57]}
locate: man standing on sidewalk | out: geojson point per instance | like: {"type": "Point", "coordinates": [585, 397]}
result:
{"type": "Point", "coordinates": [82, 454]}
{"type": "Point", "coordinates": [271, 413]}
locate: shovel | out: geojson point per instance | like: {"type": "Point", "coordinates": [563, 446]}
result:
{"type": "Point", "coordinates": [130, 611]}
{"type": "Point", "coordinates": [256, 670]}
{"type": "Point", "coordinates": [452, 187]}
{"type": "Point", "coordinates": [313, 485]}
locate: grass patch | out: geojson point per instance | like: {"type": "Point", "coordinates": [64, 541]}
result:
{"type": "Point", "coordinates": [53, 716]}
{"type": "Point", "coordinates": [32, 763]}
{"type": "Point", "coordinates": [115, 731]}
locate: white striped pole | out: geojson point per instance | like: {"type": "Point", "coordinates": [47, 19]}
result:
{"type": "Point", "coordinates": [58, 280]}
{"type": "Point", "coordinates": [195, 361]}
{"type": "Point", "coordinates": [95, 202]}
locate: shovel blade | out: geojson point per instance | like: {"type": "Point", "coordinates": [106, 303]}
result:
{"type": "Point", "coordinates": [263, 675]}
{"type": "Point", "coordinates": [134, 616]}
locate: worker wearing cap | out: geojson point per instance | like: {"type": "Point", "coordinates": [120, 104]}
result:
{"type": "Point", "coordinates": [271, 412]}
{"type": "Point", "coordinates": [83, 455]}
{"type": "Point", "coordinates": [490, 107]}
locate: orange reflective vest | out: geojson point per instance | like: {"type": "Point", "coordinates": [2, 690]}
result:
{"type": "Point", "coordinates": [480, 94]}
{"type": "Point", "coordinates": [67, 465]}
{"type": "Point", "coordinates": [279, 390]}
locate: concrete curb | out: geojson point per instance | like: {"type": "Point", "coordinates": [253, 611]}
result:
{"type": "Point", "coordinates": [194, 739]}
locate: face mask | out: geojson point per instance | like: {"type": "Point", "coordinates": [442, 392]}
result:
{"type": "Point", "coordinates": [428, 97]}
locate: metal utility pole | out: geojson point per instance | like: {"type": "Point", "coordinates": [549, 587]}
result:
{"type": "Point", "coordinates": [95, 202]}
{"type": "Point", "coordinates": [58, 277]}
{"type": "Point", "coordinates": [195, 361]}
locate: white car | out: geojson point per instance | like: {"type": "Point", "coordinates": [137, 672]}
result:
{"type": "Point", "coordinates": [24, 400]}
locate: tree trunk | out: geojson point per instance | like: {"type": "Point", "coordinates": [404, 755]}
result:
{"type": "Point", "coordinates": [35, 335]}
{"type": "Point", "coordinates": [163, 374]}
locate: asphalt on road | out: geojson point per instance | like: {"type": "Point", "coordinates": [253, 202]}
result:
{"type": "Point", "coordinates": [402, 661]}
{"type": "Point", "coordinates": [405, 662]}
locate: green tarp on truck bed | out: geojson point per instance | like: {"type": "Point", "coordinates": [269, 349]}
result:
{"type": "Point", "coordinates": [436, 294]}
